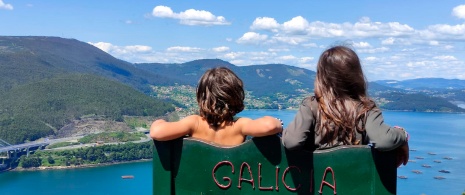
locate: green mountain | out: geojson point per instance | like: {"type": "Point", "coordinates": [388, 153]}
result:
{"type": "Point", "coordinates": [28, 59]}
{"type": "Point", "coordinates": [261, 80]}
{"type": "Point", "coordinates": [39, 109]}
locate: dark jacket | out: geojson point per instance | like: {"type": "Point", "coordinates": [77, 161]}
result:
{"type": "Point", "coordinates": [300, 133]}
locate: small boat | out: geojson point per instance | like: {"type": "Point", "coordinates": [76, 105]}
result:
{"type": "Point", "coordinates": [431, 153]}
{"type": "Point", "coordinates": [444, 171]}
{"type": "Point", "coordinates": [437, 161]}
{"type": "Point", "coordinates": [419, 157]}
{"type": "Point", "coordinates": [127, 176]}
{"type": "Point", "coordinates": [448, 158]}
{"type": "Point", "coordinates": [426, 166]}
{"type": "Point", "coordinates": [412, 161]}
{"type": "Point", "coordinates": [417, 171]}
{"type": "Point", "coordinates": [439, 177]}
{"type": "Point", "coordinates": [402, 177]}
{"type": "Point", "coordinates": [413, 150]}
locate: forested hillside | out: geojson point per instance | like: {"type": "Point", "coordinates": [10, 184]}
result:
{"type": "Point", "coordinates": [38, 109]}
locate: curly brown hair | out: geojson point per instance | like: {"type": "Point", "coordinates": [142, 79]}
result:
{"type": "Point", "coordinates": [220, 95]}
{"type": "Point", "coordinates": [341, 92]}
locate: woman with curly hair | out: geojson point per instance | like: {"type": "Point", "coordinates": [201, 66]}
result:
{"type": "Point", "coordinates": [220, 96]}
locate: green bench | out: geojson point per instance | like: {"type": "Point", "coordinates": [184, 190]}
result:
{"type": "Point", "coordinates": [263, 166]}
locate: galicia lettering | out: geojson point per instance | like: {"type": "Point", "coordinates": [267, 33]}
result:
{"type": "Point", "coordinates": [248, 178]}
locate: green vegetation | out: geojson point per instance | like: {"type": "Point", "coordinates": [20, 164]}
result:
{"type": "Point", "coordinates": [89, 155]}
{"type": "Point", "coordinates": [108, 137]}
{"type": "Point", "coordinates": [418, 103]}
{"type": "Point", "coordinates": [31, 161]}
{"type": "Point", "coordinates": [39, 109]}
{"type": "Point", "coordinates": [134, 122]}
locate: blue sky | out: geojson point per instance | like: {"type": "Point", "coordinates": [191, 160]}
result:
{"type": "Point", "coordinates": [394, 39]}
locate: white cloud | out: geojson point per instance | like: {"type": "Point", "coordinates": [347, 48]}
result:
{"type": "Point", "coordinates": [459, 11]}
{"type": "Point", "coordinates": [297, 25]}
{"type": "Point", "coordinates": [287, 58]}
{"type": "Point", "coordinates": [388, 41]}
{"type": "Point", "coordinates": [445, 58]}
{"type": "Point", "coordinates": [373, 50]}
{"type": "Point", "coordinates": [448, 47]}
{"type": "Point", "coordinates": [220, 49]}
{"type": "Point", "coordinates": [434, 43]}
{"type": "Point", "coordinates": [444, 32]}
{"type": "Point", "coordinates": [190, 17]}
{"type": "Point", "coordinates": [252, 38]}
{"type": "Point", "coordinates": [265, 23]}
{"type": "Point", "coordinates": [233, 55]}
{"type": "Point", "coordinates": [304, 60]}
{"type": "Point", "coordinates": [163, 12]}
{"type": "Point", "coordinates": [366, 28]}
{"type": "Point", "coordinates": [183, 49]}
{"type": "Point", "coordinates": [5, 5]}
{"type": "Point", "coordinates": [113, 49]}
{"type": "Point", "coordinates": [371, 58]}
{"type": "Point", "coordinates": [289, 40]}
{"type": "Point", "coordinates": [362, 45]}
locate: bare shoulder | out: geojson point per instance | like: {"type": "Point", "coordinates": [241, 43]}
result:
{"type": "Point", "coordinates": [191, 119]}
{"type": "Point", "coordinates": [242, 121]}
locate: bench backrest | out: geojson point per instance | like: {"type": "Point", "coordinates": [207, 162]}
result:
{"type": "Point", "coordinates": [264, 166]}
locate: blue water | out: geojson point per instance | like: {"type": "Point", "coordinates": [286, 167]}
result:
{"type": "Point", "coordinates": [439, 133]}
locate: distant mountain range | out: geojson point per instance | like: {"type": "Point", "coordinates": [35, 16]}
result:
{"type": "Point", "coordinates": [424, 83]}
{"type": "Point", "coordinates": [27, 62]}
{"type": "Point", "coordinates": [261, 80]}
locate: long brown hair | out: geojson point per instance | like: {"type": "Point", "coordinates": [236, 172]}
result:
{"type": "Point", "coordinates": [341, 92]}
{"type": "Point", "coordinates": [220, 95]}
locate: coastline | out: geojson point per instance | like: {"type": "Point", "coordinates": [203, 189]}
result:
{"type": "Point", "coordinates": [45, 168]}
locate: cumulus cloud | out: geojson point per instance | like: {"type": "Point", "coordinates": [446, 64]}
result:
{"type": "Point", "coordinates": [297, 25]}
{"type": "Point", "coordinates": [364, 28]}
{"type": "Point", "coordinates": [5, 5]}
{"type": "Point", "coordinates": [190, 17]}
{"type": "Point", "coordinates": [444, 32]}
{"type": "Point", "coordinates": [252, 38]}
{"type": "Point", "coordinates": [265, 23]}
{"type": "Point", "coordinates": [220, 49]}
{"type": "Point", "coordinates": [459, 11]}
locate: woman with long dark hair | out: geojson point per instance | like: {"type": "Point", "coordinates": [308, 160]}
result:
{"type": "Point", "coordinates": [341, 113]}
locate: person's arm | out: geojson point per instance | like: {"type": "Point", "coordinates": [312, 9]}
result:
{"type": "Point", "coordinates": [260, 127]}
{"type": "Point", "coordinates": [163, 131]}
{"type": "Point", "coordinates": [298, 131]}
{"type": "Point", "coordinates": [384, 137]}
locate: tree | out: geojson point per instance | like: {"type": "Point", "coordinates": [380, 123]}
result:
{"type": "Point", "coordinates": [51, 160]}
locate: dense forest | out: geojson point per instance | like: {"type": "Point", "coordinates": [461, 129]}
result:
{"type": "Point", "coordinates": [418, 103]}
{"type": "Point", "coordinates": [89, 155]}
{"type": "Point", "coordinates": [39, 109]}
